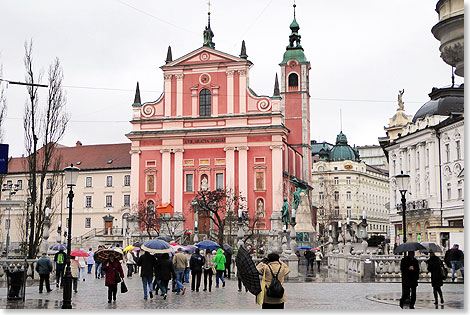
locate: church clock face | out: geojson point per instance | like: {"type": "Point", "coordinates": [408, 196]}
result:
{"type": "Point", "coordinates": [292, 64]}
{"type": "Point", "coordinates": [204, 56]}
{"type": "Point", "coordinates": [205, 79]}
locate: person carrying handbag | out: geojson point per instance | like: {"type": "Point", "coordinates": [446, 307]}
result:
{"type": "Point", "coordinates": [271, 268]}
{"type": "Point", "coordinates": [113, 274]}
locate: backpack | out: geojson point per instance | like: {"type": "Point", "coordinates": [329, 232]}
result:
{"type": "Point", "coordinates": [60, 259]}
{"type": "Point", "coordinates": [275, 289]}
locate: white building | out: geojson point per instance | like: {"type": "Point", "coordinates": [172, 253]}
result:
{"type": "Point", "coordinates": [431, 150]}
{"type": "Point", "coordinates": [373, 155]}
{"type": "Point", "coordinates": [101, 197]}
{"type": "Point", "coordinates": [346, 187]}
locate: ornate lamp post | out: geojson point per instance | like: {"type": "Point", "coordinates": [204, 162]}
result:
{"type": "Point", "coordinates": [71, 175]}
{"type": "Point", "coordinates": [403, 181]}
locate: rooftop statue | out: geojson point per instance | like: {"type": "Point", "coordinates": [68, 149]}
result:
{"type": "Point", "coordinates": [401, 105]}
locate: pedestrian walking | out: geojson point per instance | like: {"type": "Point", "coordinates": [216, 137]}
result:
{"type": "Point", "coordinates": [435, 267]}
{"type": "Point", "coordinates": [148, 263]}
{"type": "Point", "coordinates": [219, 260]}
{"type": "Point", "coordinates": [98, 265]}
{"type": "Point", "coordinates": [187, 269]}
{"type": "Point", "coordinates": [318, 258]}
{"type": "Point", "coordinates": [164, 271]}
{"type": "Point", "coordinates": [271, 268]}
{"type": "Point", "coordinates": [44, 268]}
{"type": "Point", "coordinates": [409, 267]}
{"type": "Point", "coordinates": [454, 258]}
{"type": "Point", "coordinates": [83, 265]}
{"type": "Point", "coordinates": [59, 259]}
{"type": "Point", "coordinates": [228, 264]}
{"type": "Point", "coordinates": [130, 263]}
{"type": "Point", "coordinates": [209, 268]}
{"type": "Point", "coordinates": [113, 274]}
{"type": "Point", "coordinates": [179, 262]}
{"type": "Point", "coordinates": [90, 260]}
{"type": "Point", "coordinates": [75, 270]}
{"type": "Point", "coordinates": [195, 264]}
{"type": "Point", "coordinates": [307, 254]}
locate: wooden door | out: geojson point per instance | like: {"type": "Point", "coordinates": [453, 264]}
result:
{"type": "Point", "coordinates": [108, 227]}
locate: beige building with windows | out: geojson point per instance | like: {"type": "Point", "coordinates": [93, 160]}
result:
{"type": "Point", "coordinates": [346, 187]}
{"type": "Point", "coordinates": [101, 203]}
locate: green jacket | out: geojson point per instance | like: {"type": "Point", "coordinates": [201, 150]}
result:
{"type": "Point", "coordinates": [219, 260]}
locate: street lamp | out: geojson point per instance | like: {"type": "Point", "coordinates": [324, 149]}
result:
{"type": "Point", "coordinates": [403, 181]}
{"type": "Point", "coordinates": [12, 189]}
{"type": "Point", "coordinates": [71, 175]}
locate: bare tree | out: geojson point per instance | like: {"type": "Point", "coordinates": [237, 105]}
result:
{"type": "Point", "coordinates": [326, 206]}
{"type": "Point", "coordinates": [215, 204]}
{"type": "Point", "coordinates": [149, 219]}
{"type": "Point", "coordinates": [45, 128]}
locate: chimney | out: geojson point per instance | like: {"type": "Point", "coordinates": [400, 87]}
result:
{"type": "Point", "coordinates": [78, 144]}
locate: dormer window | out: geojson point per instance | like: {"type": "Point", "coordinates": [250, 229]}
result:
{"type": "Point", "coordinates": [205, 102]}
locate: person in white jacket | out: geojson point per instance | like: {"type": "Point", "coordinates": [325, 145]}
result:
{"type": "Point", "coordinates": [83, 264]}
{"type": "Point", "coordinates": [130, 263]}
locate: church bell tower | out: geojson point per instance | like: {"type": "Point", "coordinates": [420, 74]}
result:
{"type": "Point", "coordinates": [295, 104]}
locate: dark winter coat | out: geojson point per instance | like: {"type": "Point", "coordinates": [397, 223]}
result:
{"type": "Point", "coordinates": [228, 259]}
{"type": "Point", "coordinates": [148, 263]}
{"type": "Point", "coordinates": [56, 260]}
{"type": "Point", "coordinates": [196, 262]}
{"type": "Point", "coordinates": [44, 266]}
{"type": "Point", "coordinates": [164, 269]}
{"type": "Point", "coordinates": [409, 277]}
{"type": "Point", "coordinates": [434, 267]}
{"type": "Point", "coordinates": [110, 269]}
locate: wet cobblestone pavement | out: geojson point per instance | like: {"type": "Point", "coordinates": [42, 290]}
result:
{"type": "Point", "coordinates": [320, 292]}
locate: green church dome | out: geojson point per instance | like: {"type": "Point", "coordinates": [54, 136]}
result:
{"type": "Point", "coordinates": [342, 151]}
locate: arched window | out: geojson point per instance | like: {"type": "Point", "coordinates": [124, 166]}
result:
{"type": "Point", "coordinates": [205, 102]}
{"type": "Point", "coordinates": [293, 80]}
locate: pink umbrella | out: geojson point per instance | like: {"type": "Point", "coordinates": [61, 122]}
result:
{"type": "Point", "coordinates": [135, 249]}
{"type": "Point", "coordinates": [79, 253]}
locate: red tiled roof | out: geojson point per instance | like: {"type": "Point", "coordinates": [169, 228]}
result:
{"type": "Point", "coordinates": [85, 157]}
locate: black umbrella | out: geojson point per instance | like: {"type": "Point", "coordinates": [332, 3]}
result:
{"type": "Point", "coordinates": [165, 238]}
{"type": "Point", "coordinates": [102, 255]}
{"type": "Point", "coordinates": [137, 244]}
{"type": "Point", "coordinates": [228, 248]}
{"type": "Point", "coordinates": [247, 271]}
{"type": "Point", "coordinates": [408, 247]}
{"type": "Point", "coordinates": [431, 247]}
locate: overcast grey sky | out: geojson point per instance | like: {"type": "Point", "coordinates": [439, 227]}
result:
{"type": "Point", "coordinates": [361, 52]}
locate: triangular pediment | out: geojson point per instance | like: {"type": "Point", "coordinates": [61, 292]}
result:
{"type": "Point", "coordinates": [204, 55]}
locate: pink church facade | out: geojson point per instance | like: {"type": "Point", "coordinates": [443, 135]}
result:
{"type": "Point", "coordinates": [209, 130]}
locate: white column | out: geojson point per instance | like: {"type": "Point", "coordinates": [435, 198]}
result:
{"type": "Point", "coordinates": [242, 90]}
{"type": "Point", "coordinates": [230, 162]}
{"type": "Point", "coordinates": [179, 94]}
{"type": "Point", "coordinates": [135, 153]}
{"type": "Point", "coordinates": [404, 159]}
{"type": "Point", "coordinates": [413, 172]}
{"type": "Point", "coordinates": [277, 192]}
{"type": "Point", "coordinates": [178, 180]}
{"type": "Point", "coordinates": [165, 175]}
{"type": "Point", "coordinates": [432, 168]}
{"type": "Point", "coordinates": [422, 170]}
{"type": "Point", "coordinates": [243, 171]}
{"type": "Point", "coordinates": [230, 92]}
{"type": "Point", "coordinates": [194, 102]}
{"type": "Point", "coordinates": [215, 101]}
{"type": "Point", "coordinates": [167, 84]}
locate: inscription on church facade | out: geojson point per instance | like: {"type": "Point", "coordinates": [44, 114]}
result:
{"type": "Point", "coordinates": [199, 141]}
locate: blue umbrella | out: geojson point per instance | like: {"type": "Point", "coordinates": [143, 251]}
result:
{"type": "Point", "coordinates": [207, 245]}
{"type": "Point", "coordinates": [58, 247]}
{"type": "Point", "coordinates": [303, 247]}
{"type": "Point", "coordinates": [156, 246]}
{"type": "Point", "coordinates": [165, 238]}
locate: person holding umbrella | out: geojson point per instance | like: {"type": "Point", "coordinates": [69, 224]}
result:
{"type": "Point", "coordinates": [409, 267]}
{"type": "Point", "coordinates": [147, 262]}
{"type": "Point", "coordinates": [208, 267]}
{"type": "Point", "coordinates": [130, 263]}
{"type": "Point", "coordinates": [270, 268]}
{"type": "Point", "coordinates": [195, 264]}
{"type": "Point", "coordinates": [435, 267]}
{"type": "Point", "coordinates": [228, 262]}
{"type": "Point", "coordinates": [113, 274]}
{"type": "Point", "coordinates": [75, 270]}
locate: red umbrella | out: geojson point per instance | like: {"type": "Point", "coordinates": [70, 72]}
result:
{"type": "Point", "coordinates": [174, 244]}
{"type": "Point", "coordinates": [79, 253]}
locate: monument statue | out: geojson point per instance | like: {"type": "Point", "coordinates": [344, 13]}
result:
{"type": "Point", "coordinates": [285, 212]}
{"type": "Point", "coordinates": [401, 105]}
